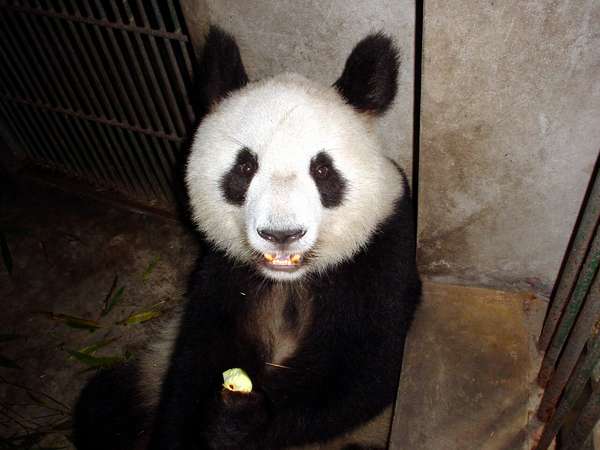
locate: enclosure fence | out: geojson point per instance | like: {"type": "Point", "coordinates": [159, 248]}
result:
{"type": "Point", "coordinates": [99, 90]}
{"type": "Point", "coordinates": [571, 336]}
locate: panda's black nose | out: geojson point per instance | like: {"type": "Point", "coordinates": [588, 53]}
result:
{"type": "Point", "coordinates": [281, 236]}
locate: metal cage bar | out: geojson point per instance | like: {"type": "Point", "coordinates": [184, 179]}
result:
{"type": "Point", "coordinates": [587, 223]}
{"type": "Point", "coordinates": [575, 387]}
{"type": "Point", "coordinates": [571, 333]}
{"type": "Point", "coordinates": [99, 90]}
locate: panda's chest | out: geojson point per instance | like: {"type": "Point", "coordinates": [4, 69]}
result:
{"type": "Point", "coordinates": [278, 320]}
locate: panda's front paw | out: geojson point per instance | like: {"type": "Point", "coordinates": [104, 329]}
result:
{"type": "Point", "coordinates": [235, 418]}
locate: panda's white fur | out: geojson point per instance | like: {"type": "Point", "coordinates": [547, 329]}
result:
{"type": "Point", "coordinates": [286, 121]}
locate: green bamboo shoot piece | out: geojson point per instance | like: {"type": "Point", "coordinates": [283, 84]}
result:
{"type": "Point", "coordinates": [237, 380]}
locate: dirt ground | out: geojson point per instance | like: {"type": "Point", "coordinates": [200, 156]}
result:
{"type": "Point", "coordinates": [89, 283]}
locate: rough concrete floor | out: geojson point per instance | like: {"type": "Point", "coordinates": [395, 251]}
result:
{"type": "Point", "coordinates": [468, 365]}
{"type": "Point", "coordinates": [67, 253]}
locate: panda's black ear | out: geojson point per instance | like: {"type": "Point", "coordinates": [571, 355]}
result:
{"type": "Point", "coordinates": [221, 69]}
{"type": "Point", "coordinates": [369, 79]}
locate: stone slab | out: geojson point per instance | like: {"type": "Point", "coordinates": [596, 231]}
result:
{"type": "Point", "coordinates": [466, 380]}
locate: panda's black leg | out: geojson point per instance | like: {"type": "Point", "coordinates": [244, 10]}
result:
{"type": "Point", "coordinates": [108, 414]}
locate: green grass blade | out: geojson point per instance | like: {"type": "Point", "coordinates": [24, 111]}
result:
{"type": "Point", "coordinates": [72, 321]}
{"type": "Point", "coordinates": [91, 349]}
{"type": "Point", "coordinates": [109, 293]}
{"type": "Point", "coordinates": [38, 401]}
{"type": "Point", "coordinates": [140, 317]}
{"type": "Point", "coordinates": [116, 298]}
{"type": "Point", "coordinates": [103, 362]}
{"type": "Point", "coordinates": [65, 425]}
{"type": "Point", "coordinates": [150, 268]}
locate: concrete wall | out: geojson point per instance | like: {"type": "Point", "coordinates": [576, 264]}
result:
{"type": "Point", "coordinates": [315, 37]}
{"type": "Point", "coordinates": [510, 133]}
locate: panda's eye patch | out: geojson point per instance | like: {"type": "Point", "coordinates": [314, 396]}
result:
{"type": "Point", "coordinates": [236, 181]}
{"type": "Point", "coordinates": [330, 183]}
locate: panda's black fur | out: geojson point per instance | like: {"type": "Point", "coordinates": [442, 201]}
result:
{"type": "Point", "coordinates": [345, 369]}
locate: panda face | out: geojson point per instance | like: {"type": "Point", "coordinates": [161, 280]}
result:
{"type": "Point", "coordinates": [287, 175]}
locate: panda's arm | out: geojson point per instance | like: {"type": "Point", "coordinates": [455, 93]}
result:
{"type": "Point", "coordinates": [360, 385]}
{"type": "Point", "coordinates": [185, 385]}
{"type": "Point", "coordinates": [193, 410]}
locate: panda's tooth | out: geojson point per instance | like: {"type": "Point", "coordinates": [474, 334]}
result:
{"type": "Point", "coordinates": [282, 259]}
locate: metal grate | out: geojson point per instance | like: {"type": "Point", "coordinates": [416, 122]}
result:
{"type": "Point", "coordinates": [571, 336]}
{"type": "Point", "coordinates": [99, 89]}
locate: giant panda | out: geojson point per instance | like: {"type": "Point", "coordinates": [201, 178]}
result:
{"type": "Point", "coordinates": [308, 281]}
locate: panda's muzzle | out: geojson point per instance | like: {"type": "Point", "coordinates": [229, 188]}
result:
{"type": "Point", "coordinates": [281, 259]}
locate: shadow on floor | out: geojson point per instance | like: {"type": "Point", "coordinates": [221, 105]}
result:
{"type": "Point", "coordinates": [89, 284]}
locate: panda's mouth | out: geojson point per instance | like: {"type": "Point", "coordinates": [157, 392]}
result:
{"type": "Point", "coordinates": [287, 262]}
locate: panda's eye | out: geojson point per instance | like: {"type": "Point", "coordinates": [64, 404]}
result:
{"type": "Point", "coordinates": [322, 171]}
{"type": "Point", "coordinates": [330, 182]}
{"type": "Point", "coordinates": [246, 169]}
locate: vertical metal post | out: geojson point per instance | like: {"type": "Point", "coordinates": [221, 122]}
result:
{"type": "Point", "coordinates": [111, 104]}
{"type": "Point", "coordinates": [86, 95]}
{"type": "Point", "coordinates": [573, 323]}
{"type": "Point", "coordinates": [590, 314]}
{"type": "Point", "coordinates": [577, 383]}
{"type": "Point", "coordinates": [16, 129]}
{"type": "Point", "coordinates": [164, 93]}
{"type": "Point", "coordinates": [585, 423]}
{"type": "Point", "coordinates": [585, 226]}
{"type": "Point", "coordinates": [140, 105]}
{"type": "Point", "coordinates": [32, 77]}
{"type": "Point", "coordinates": [182, 91]}
{"type": "Point", "coordinates": [571, 331]}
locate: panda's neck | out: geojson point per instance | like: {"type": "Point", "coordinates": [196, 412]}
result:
{"type": "Point", "coordinates": [278, 316]}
